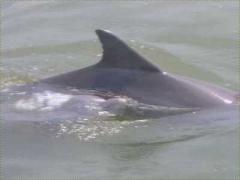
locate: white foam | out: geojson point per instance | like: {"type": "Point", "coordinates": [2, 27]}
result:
{"type": "Point", "coordinates": [44, 101]}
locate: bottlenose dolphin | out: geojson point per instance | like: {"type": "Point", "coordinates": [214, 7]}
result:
{"type": "Point", "coordinates": [123, 71]}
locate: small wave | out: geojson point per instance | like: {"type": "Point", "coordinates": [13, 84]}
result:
{"type": "Point", "coordinates": [12, 79]}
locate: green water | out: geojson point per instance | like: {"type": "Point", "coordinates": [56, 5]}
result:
{"type": "Point", "coordinates": [195, 39]}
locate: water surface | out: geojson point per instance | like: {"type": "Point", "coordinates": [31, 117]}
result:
{"type": "Point", "coordinates": [41, 39]}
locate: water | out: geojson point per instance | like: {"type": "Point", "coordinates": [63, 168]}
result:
{"type": "Point", "coordinates": [41, 39]}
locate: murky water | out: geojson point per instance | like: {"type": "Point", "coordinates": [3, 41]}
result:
{"type": "Point", "coordinates": [41, 39]}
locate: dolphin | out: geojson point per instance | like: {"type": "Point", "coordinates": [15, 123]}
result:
{"type": "Point", "coordinates": [122, 71]}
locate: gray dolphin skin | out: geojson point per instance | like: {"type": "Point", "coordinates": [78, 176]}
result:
{"type": "Point", "coordinates": [122, 71]}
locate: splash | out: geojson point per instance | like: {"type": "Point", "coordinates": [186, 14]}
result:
{"type": "Point", "coordinates": [45, 101]}
{"type": "Point", "coordinates": [91, 130]}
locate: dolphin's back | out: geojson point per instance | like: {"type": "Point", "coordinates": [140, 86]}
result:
{"type": "Point", "coordinates": [124, 72]}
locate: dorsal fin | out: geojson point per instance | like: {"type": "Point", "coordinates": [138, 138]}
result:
{"type": "Point", "coordinates": [117, 54]}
